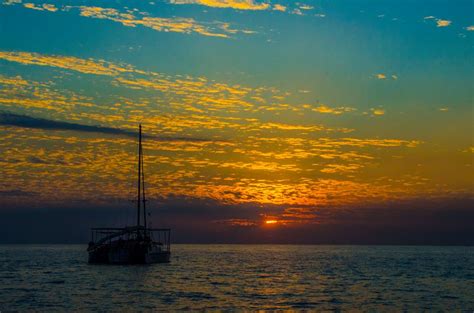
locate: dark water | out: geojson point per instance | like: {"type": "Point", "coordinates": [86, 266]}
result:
{"type": "Point", "coordinates": [368, 278]}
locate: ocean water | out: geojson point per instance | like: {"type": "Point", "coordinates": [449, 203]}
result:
{"type": "Point", "coordinates": [367, 278]}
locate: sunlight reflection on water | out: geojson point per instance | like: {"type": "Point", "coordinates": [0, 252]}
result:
{"type": "Point", "coordinates": [57, 277]}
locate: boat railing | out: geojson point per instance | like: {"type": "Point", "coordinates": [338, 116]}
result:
{"type": "Point", "coordinates": [105, 235]}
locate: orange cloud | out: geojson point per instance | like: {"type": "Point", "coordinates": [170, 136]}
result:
{"type": "Point", "coordinates": [328, 110]}
{"type": "Point", "coordinates": [234, 4]}
{"type": "Point", "coordinates": [16, 81]}
{"type": "Point", "coordinates": [237, 222]}
{"type": "Point", "coordinates": [176, 24]}
{"type": "Point", "coordinates": [299, 213]}
{"type": "Point", "coordinates": [442, 23]}
{"type": "Point", "coordinates": [279, 7]}
{"type": "Point", "coordinates": [133, 18]}
{"type": "Point", "coordinates": [87, 66]}
{"type": "Point", "coordinates": [377, 111]}
{"type": "Point", "coordinates": [44, 7]}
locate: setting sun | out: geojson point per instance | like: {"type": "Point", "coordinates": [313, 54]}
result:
{"type": "Point", "coordinates": [271, 221]}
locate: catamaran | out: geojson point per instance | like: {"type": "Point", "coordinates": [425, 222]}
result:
{"type": "Point", "coordinates": [137, 244]}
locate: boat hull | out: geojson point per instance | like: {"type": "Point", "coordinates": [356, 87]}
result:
{"type": "Point", "coordinates": [131, 254]}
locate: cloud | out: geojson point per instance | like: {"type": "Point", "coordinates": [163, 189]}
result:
{"type": "Point", "coordinates": [377, 111]}
{"type": "Point", "coordinates": [15, 81]}
{"type": "Point", "coordinates": [443, 23]}
{"type": "Point", "coordinates": [279, 7]}
{"type": "Point", "coordinates": [239, 222]}
{"type": "Point", "coordinates": [439, 22]}
{"type": "Point", "coordinates": [87, 66]}
{"type": "Point", "coordinates": [195, 100]}
{"type": "Point", "coordinates": [281, 163]}
{"type": "Point", "coordinates": [44, 7]}
{"type": "Point", "coordinates": [340, 168]}
{"type": "Point", "coordinates": [17, 193]}
{"type": "Point", "coordinates": [11, 2]}
{"type": "Point", "coordinates": [306, 7]}
{"type": "Point", "coordinates": [233, 4]}
{"type": "Point", "coordinates": [196, 170]}
{"type": "Point", "coordinates": [196, 91]}
{"type": "Point", "coordinates": [297, 12]}
{"type": "Point", "coordinates": [193, 221]}
{"type": "Point", "coordinates": [175, 24]}
{"type": "Point", "coordinates": [292, 127]}
{"type": "Point", "coordinates": [357, 142]}
{"type": "Point", "coordinates": [383, 76]}
{"type": "Point", "coordinates": [328, 110]}
{"type": "Point", "coordinates": [261, 166]}
{"type": "Point", "coordinates": [134, 18]}
{"type": "Point", "coordinates": [299, 213]}
{"type": "Point", "coordinates": [11, 119]}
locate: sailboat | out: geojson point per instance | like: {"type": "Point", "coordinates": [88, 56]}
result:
{"type": "Point", "coordinates": [137, 244]}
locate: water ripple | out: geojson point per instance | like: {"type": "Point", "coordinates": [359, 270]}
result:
{"type": "Point", "coordinates": [244, 277]}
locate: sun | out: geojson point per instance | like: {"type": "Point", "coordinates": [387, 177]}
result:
{"type": "Point", "coordinates": [269, 222]}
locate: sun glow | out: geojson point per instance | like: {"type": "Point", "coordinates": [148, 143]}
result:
{"type": "Point", "coordinates": [268, 222]}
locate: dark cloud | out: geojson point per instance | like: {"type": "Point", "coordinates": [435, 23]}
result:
{"type": "Point", "coordinates": [36, 160]}
{"type": "Point", "coordinates": [17, 193]}
{"type": "Point", "coordinates": [429, 222]}
{"type": "Point", "coordinates": [56, 161]}
{"type": "Point", "coordinates": [17, 120]}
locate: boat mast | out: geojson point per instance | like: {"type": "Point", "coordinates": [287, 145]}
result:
{"type": "Point", "coordinates": [143, 187]}
{"type": "Point", "coordinates": [139, 172]}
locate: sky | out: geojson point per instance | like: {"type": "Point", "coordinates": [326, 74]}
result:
{"type": "Point", "coordinates": [265, 121]}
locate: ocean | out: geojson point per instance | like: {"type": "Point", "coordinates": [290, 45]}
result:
{"type": "Point", "coordinates": [241, 277]}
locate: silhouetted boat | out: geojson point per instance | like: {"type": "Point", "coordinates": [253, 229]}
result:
{"type": "Point", "coordinates": [131, 245]}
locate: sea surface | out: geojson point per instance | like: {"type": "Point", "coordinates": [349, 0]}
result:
{"type": "Point", "coordinates": [242, 277]}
